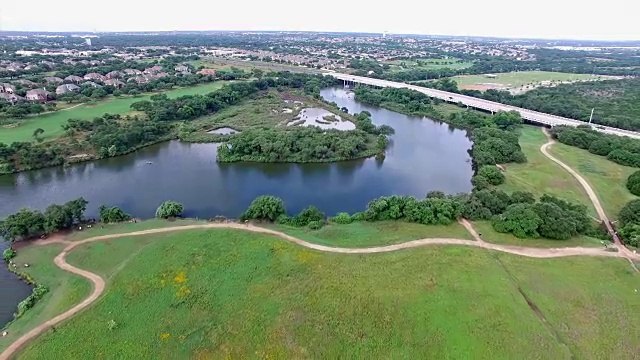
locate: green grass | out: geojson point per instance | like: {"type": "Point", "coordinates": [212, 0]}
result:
{"type": "Point", "coordinates": [539, 175]}
{"type": "Point", "coordinates": [65, 289]}
{"type": "Point", "coordinates": [118, 228]}
{"type": "Point", "coordinates": [52, 123]}
{"type": "Point", "coordinates": [428, 64]}
{"type": "Point", "coordinates": [367, 234]}
{"type": "Point", "coordinates": [224, 293]}
{"type": "Point", "coordinates": [607, 178]}
{"type": "Point", "coordinates": [228, 293]}
{"type": "Point", "coordinates": [488, 234]}
{"type": "Point", "coordinates": [521, 78]}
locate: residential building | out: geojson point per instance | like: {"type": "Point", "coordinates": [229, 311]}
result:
{"type": "Point", "coordinates": [11, 98]}
{"type": "Point", "coordinates": [40, 95]}
{"type": "Point", "coordinates": [182, 69]}
{"type": "Point", "coordinates": [113, 75]}
{"type": "Point", "coordinates": [94, 77]}
{"type": "Point", "coordinates": [153, 69]}
{"type": "Point", "coordinates": [53, 80]}
{"type": "Point", "coordinates": [27, 83]}
{"type": "Point", "coordinates": [7, 88]}
{"type": "Point", "coordinates": [74, 79]}
{"type": "Point", "coordinates": [132, 72]}
{"type": "Point", "coordinates": [211, 72]}
{"type": "Point", "coordinates": [92, 84]}
{"type": "Point", "coordinates": [114, 82]}
{"type": "Point", "coordinates": [67, 88]}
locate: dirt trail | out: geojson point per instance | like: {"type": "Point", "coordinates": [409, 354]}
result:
{"type": "Point", "coordinates": [99, 283]}
{"type": "Point", "coordinates": [592, 195]}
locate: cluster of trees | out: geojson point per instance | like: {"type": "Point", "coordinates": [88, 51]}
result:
{"type": "Point", "coordinates": [29, 223]}
{"type": "Point", "coordinates": [21, 156]}
{"type": "Point", "coordinates": [486, 176]}
{"type": "Point", "coordinates": [161, 108]}
{"type": "Point", "coordinates": [495, 146]}
{"type": "Point", "coordinates": [271, 208]}
{"type": "Point", "coordinates": [619, 149]}
{"type": "Point", "coordinates": [633, 183]}
{"type": "Point", "coordinates": [307, 144]}
{"type": "Point", "coordinates": [169, 209]}
{"type": "Point", "coordinates": [112, 135]}
{"type": "Point", "coordinates": [112, 214]}
{"type": "Point", "coordinates": [629, 221]}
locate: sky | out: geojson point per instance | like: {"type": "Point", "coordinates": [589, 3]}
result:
{"type": "Point", "coordinates": [550, 19]}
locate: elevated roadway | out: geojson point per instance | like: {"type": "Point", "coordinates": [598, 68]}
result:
{"type": "Point", "coordinates": [486, 105]}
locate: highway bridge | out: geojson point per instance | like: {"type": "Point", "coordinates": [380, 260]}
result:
{"type": "Point", "coordinates": [486, 105]}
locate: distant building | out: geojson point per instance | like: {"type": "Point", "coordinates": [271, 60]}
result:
{"type": "Point", "coordinates": [27, 83]}
{"type": "Point", "coordinates": [114, 82]}
{"type": "Point", "coordinates": [94, 77]}
{"type": "Point", "coordinates": [132, 72]}
{"type": "Point", "coordinates": [11, 98]}
{"type": "Point", "coordinates": [7, 88]}
{"type": "Point", "coordinates": [182, 68]}
{"type": "Point", "coordinates": [40, 95]}
{"type": "Point", "coordinates": [92, 84]}
{"type": "Point", "coordinates": [113, 75]}
{"type": "Point", "coordinates": [53, 80]}
{"type": "Point", "coordinates": [211, 72]}
{"type": "Point", "coordinates": [67, 88]}
{"type": "Point", "coordinates": [74, 79]}
{"type": "Point", "coordinates": [153, 69]}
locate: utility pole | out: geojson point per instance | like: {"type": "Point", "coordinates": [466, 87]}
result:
{"type": "Point", "coordinates": [591, 117]}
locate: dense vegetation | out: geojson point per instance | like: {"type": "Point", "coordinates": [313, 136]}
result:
{"type": "Point", "coordinates": [29, 223]}
{"type": "Point", "coordinates": [633, 183]}
{"type": "Point", "coordinates": [621, 150]}
{"type": "Point", "coordinates": [112, 214]}
{"type": "Point", "coordinates": [630, 223]}
{"type": "Point", "coordinates": [306, 144]}
{"type": "Point", "coordinates": [169, 209]}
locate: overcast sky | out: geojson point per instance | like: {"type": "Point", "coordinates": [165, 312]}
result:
{"type": "Point", "coordinates": [568, 19]}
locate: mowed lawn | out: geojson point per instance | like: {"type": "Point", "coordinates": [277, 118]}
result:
{"type": "Point", "coordinates": [52, 123]}
{"type": "Point", "coordinates": [66, 289]}
{"type": "Point", "coordinates": [607, 178]}
{"type": "Point", "coordinates": [520, 78]}
{"type": "Point", "coordinates": [428, 64]}
{"type": "Point", "coordinates": [233, 294]}
{"type": "Point", "coordinates": [539, 175]}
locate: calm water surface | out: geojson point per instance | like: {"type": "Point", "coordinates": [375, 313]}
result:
{"type": "Point", "coordinates": [424, 155]}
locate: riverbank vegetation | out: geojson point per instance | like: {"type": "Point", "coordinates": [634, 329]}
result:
{"type": "Point", "coordinates": [240, 274]}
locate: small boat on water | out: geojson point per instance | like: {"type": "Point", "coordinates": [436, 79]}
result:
{"type": "Point", "coordinates": [149, 162]}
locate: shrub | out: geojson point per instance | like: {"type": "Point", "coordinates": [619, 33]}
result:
{"type": "Point", "coordinates": [520, 220]}
{"type": "Point", "coordinates": [480, 182]}
{"type": "Point", "coordinates": [8, 254]}
{"type": "Point", "coordinates": [265, 207]}
{"type": "Point", "coordinates": [316, 224]}
{"type": "Point", "coordinates": [493, 175]}
{"type": "Point", "coordinates": [284, 219]}
{"type": "Point", "coordinates": [169, 209]}
{"type": "Point", "coordinates": [307, 215]}
{"type": "Point", "coordinates": [112, 325]}
{"type": "Point", "coordinates": [633, 183]}
{"type": "Point", "coordinates": [112, 214]}
{"type": "Point", "coordinates": [342, 218]}
{"type": "Point", "coordinates": [630, 213]}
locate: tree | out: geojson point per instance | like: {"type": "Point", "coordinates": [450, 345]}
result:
{"type": "Point", "coordinates": [23, 224]}
{"type": "Point", "coordinates": [57, 217]}
{"type": "Point", "coordinates": [8, 254]}
{"type": "Point", "coordinates": [112, 214]}
{"type": "Point", "coordinates": [169, 209]}
{"type": "Point", "coordinates": [36, 134]}
{"type": "Point", "coordinates": [507, 120]}
{"type": "Point", "coordinates": [520, 220]}
{"type": "Point", "coordinates": [307, 215]}
{"type": "Point", "coordinates": [493, 175]}
{"type": "Point", "coordinates": [265, 207]}
{"type": "Point", "coordinates": [630, 234]}
{"type": "Point", "coordinates": [522, 197]}
{"type": "Point", "coordinates": [630, 213]}
{"type": "Point", "coordinates": [77, 208]}
{"type": "Point", "coordinates": [633, 183]}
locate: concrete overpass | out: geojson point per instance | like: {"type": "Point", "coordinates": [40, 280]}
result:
{"type": "Point", "coordinates": [486, 105]}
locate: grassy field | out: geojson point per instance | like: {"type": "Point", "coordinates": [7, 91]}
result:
{"type": "Point", "coordinates": [540, 175]}
{"type": "Point", "coordinates": [52, 123]}
{"type": "Point", "coordinates": [65, 289]}
{"type": "Point", "coordinates": [520, 78]}
{"type": "Point", "coordinates": [428, 64]}
{"type": "Point", "coordinates": [367, 234]}
{"type": "Point", "coordinates": [118, 228]}
{"type": "Point", "coordinates": [487, 234]}
{"type": "Point", "coordinates": [230, 294]}
{"type": "Point", "coordinates": [607, 178]}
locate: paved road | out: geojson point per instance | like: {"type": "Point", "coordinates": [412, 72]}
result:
{"type": "Point", "coordinates": [530, 115]}
{"type": "Point", "coordinates": [99, 283]}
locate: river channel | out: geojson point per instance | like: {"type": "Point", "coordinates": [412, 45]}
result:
{"type": "Point", "coordinates": [424, 155]}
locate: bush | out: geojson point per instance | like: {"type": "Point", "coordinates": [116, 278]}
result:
{"type": "Point", "coordinates": [630, 234]}
{"type": "Point", "coordinates": [265, 207]}
{"type": "Point", "coordinates": [284, 219]}
{"type": "Point", "coordinates": [169, 209]}
{"type": "Point", "coordinates": [520, 220]}
{"type": "Point", "coordinates": [480, 182]}
{"type": "Point", "coordinates": [112, 214]}
{"type": "Point", "coordinates": [493, 175]}
{"type": "Point", "coordinates": [8, 254]}
{"type": "Point", "coordinates": [316, 224]}
{"type": "Point", "coordinates": [307, 215]}
{"type": "Point", "coordinates": [633, 183]}
{"type": "Point", "coordinates": [630, 213]}
{"type": "Point", "coordinates": [342, 218]}
{"type": "Point", "coordinates": [26, 304]}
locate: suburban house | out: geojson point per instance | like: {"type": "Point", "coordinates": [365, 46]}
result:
{"type": "Point", "coordinates": [132, 72]}
{"type": "Point", "coordinates": [92, 84]}
{"type": "Point", "coordinates": [74, 79]}
{"type": "Point", "coordinates": [40, 95]}
{"type": "Point", "coordinates": [211, 72]}
{"type": "Point", "coordinates": [182, 69]}
{"type": "Point", "coordinates": [27, 83]}
{"type": "Point", "coordinates": [139, 79]}
{"type": "Point", "coordinates": [10, 98]}
{"type": "Point", "coordinates": [94, 76]}
{"type": "Point", "coordinates": [53, 80]}
{"type": "Point", "coordinates": [67, 88]}
{"type": "Point", "coordinates": [114, 82]}
{"type": "Point", "coordinates": [50, 64]}
{"type": "Point", "coordinates": [153, 69]}
{"type": "Point", "coordinates": [7, 88]}
{"type": "Point", "coordinates": [113, 75]}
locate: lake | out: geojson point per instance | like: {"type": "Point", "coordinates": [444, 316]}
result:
{"type": "Point", "coordinates": [424, 155]}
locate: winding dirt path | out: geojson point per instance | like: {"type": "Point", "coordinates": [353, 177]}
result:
{"type": "Point", "coordinates": [592, 195]}
{"type": "Point", "coordinates": [99, 283]}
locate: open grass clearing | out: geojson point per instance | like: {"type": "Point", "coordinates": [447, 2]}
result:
{"type": "Point", "coordinates": [65, 289]}
{"type": "Point", "coordinates": [607, 178]}
{"type": "Point", "coordinates": [275, 299]}
{"type": "Point", "coordinates": [519, 79]}
{"type": "Point", "coordinates": [368, 234]}
{"type": "Point", "coordinates": [488, 234]}
{"type": "Point", "coordinates": [428, 64]}
{"type": "Point", "coordinates": [540, 175]}
{"type": "Point", "coordinates": [52, 122]}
